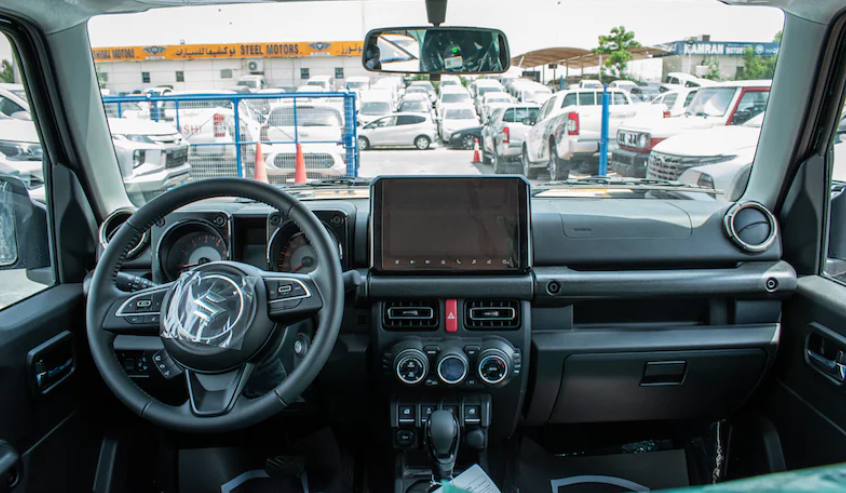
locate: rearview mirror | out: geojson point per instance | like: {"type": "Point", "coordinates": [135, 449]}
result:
{"type": "Point", "coordinates": [436, 50]}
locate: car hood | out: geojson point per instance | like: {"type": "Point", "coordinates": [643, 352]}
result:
{"type": "Point", "coordinates": [711, 142]}
{"type": "Point", "coordinates": [18, 131]}
{"type": "Point", "coordinates": [123, 126]}
{"type": "Point", "coordinates": [461, 123]}
{"type": "Point", "coordinates": [658, 126]}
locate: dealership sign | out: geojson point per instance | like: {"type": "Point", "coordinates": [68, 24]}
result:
{"type": "Point", "coordinates": [716, 48]}
{"type": "Point", "coordinates": [228, 50]}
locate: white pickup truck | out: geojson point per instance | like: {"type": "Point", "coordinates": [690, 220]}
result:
{"type": "Point", "coordinates": [718, 105]}
{"type": "Point", "coordinates": [568, 128]}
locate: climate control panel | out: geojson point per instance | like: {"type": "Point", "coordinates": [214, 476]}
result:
{"type": "Point", "coordinates": [464, 362]}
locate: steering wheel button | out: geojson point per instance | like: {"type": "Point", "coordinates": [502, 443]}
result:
{"type": "Point", "coordinates": [285, 289]}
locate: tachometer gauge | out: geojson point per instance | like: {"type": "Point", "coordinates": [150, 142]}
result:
{"type": "Point", "coordinates": [290, 250]}
{"type": "Point", "coordinates": [297, 255]}
{"type": "Point", "coordinates": [192, 245]}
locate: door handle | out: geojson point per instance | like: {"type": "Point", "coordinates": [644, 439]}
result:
{"type": "Point", "coordinates": [825, 352]}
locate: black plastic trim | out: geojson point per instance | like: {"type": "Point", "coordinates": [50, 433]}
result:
{"type": "Point", "coordinates": [557, 285]}
{"type": "Point", "coordinates": [414, 287]}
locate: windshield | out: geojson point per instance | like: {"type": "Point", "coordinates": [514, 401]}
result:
{"type": "Point", "coordinates": [460, 114]}
{"type": "Point", "coordinates": [455, 98]}
{"type": "Point", "coordinates": [711, 101]}
{"type": "Point", "coordinates": [199, 60]}
{"type": "Point", "coordinates": [375, 108]}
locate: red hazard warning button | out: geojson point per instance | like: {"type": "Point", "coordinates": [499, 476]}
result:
{"type": "Point", "coordinates": [451, 316]}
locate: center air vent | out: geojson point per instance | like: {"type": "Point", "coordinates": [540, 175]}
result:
{"type": "Point", "coordinates": [492, 314]}
{"type": "Point", "coordinates": [417, 315]}
{"type": "Point", "coordinates": [751, 226]}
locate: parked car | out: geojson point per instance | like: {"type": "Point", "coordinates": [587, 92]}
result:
{"type": "Point", "coordinates": [321, 83]}
{"type": "Point", "coordinates": [465, 138]}
{"type": "Point", "coordinates": [399, 130]}
{"type": "Point", "coordinates": [676, 102]}
{"type": "Point", "coordinates": [415, 103]}
{"type": "Point", "coordinates": [209, 125]}
{"type": "Point", "coordinates": [625, 85]}
{"type": "Point", "coordinates": [492, 101]}
{"type": "Point", "coordinates": [456, 118]}
{"type": "Point", "coordinates": [21, 150]}
{"type": "Point", "coordinates": [357, 84]}
{"type": "Point", "coordinates": [129, 110]}
{"type": "Point", "coordinates": [646, 92]}
{"type": "Point", "coordinates": [451, 97]}
{"type": "Point", "coordinates": [253, 83]}
{"type": "Point", "coordinates": [587, 84]}
{"type": "Point", "coordinates": [371, 109]}
{"type": "Point", "coordinates": [429, 92]}
{"type": "Point", "coordinates": [567, 130]}
{"type": "Point", "coordinates": [449, 82]}
{"type": "Point", "coordinates": [395, 85]}
{"type": "Point", "coordinates": [318, 126]}
{"type": "Point", "coordinates": [504, 133]}
{"type": "Point", "coordinates": [152, 156]}
{"type": "Point", "coordinates": [724, 103]}
{"type": "Point", "coordinates": [674, 80]}
{"type": "Point", "coordinates": [13, 102]}
{"type": "Point", "coordinates": [480, 87]}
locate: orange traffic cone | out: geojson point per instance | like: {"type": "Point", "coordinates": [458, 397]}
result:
{"type": "Point", "coordinates": [476, 157]}
{"type": "Point", "coordinates": [300, 171]}
{"type": "Point", "coordinates": [260, 171]}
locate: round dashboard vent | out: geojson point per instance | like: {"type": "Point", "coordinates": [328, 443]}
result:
{"type": "Point", "coordinates": [751, 226]}
{"type": "Point", "coordinates": [111, 225]}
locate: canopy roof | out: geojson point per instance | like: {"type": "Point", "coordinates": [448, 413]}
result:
{"type": "Point", "coordinates": [574, 56]}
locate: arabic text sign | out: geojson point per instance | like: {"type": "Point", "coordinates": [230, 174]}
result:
{"type": "Point", "coordinates": [226, 50]}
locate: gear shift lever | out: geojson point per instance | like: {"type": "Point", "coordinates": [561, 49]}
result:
{"type": "Point", "coordinates": [442, 437]}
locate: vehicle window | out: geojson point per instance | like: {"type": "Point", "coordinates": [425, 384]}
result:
{"type": "Point", "coordinates": [455, 98]}
{"type": "Point", "coordinates": [389, 121]}
{"type": "Point", "coordinates": [409, 119]}
{"type": "Point", "coordinates": [130, 48]}
{"type": "Point", "coordinates": [689, 98]}
{"type": "Point", "coordinates": [712, 101]}
{"type": "Point", "coordinates": [835, 264]}
{"type": "Point", "coordinates": [9, 107]}
{"type": "Point", "coordinates": [570, 100]}
{"type": "Point", "coordinates": [460, 114]}
{"type": "Point", "coordinates": [670, 100]}
{"type": "Point", "coordinates": [306, 117]}
{"type": "Point", "coordinates": [751, 104]}
{"type": "Point", "coordinates": [658, 100]}
{"type": "Point", "coordinates": [587, 99]}
{"type": "Point", "coordinates": [519, 114]}
{"type": "Point", "coordinates": [25, 269]}
{"type": "Point", "coordinates": [375, 108]}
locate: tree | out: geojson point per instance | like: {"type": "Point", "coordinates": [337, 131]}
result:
{"type": "Point", "coordinates": [614, 49]}
{"type": "Point", "coordinates": [7, 75]}
{"type": "Point", "coordinates": [756, 66]}
{"type": "Point", "coordinates": [713, 65]}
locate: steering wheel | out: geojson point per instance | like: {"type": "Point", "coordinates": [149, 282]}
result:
{"type": "Point", "coordinates": [219, 320]}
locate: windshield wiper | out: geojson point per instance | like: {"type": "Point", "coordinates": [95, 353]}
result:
{"type": "Point", "coordinates": [341, 181]}
{"type": "Point", "coordinates": [618, 182]}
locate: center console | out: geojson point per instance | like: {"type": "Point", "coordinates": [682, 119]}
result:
{"type": "Point", "coordinates": [450, 290]}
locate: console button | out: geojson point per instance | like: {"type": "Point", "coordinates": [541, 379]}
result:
{"type": "Point", "coordinates": [472, 350]}
{"type": "Point", "coordinates": [432, 351]}
{"type": "Point", "coordinates": [406, 413]}
{"type": "Point", "coordinates": [493, 366]}
{"type": "Point", "coordinates": [453, 408]}
{"type": "Point", "coordinates": [411, 366]}
{"type": "Point", "coordinates": [453, 367]}
{"type": "Point", "coordinates": [405, 438]}
{"type": "Point", "coordinates": [472, 414]}
{"type": "Point", "coordinates": [426, 410]}
{"type": "Point", "coordinates": [451, 315]}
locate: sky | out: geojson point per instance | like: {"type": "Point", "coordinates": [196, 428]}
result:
{"type": "Point", "coordinates": [529, 24]}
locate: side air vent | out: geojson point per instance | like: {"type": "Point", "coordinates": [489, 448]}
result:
{"type": "Point", "coordinates": [492, 314]}
{"type": "Point", "coordinates": [750, 226]}
{"type": "Point", "coordinates": [111, 225]}
{"type": "Point", "coordinates": [415, 315]}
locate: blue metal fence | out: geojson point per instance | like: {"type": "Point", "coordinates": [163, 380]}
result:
{"type": "Point", "coordinates": [251, 113]}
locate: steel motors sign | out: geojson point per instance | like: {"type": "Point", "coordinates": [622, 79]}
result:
{"type": "Point", "coordinates": [718, 48]}
{"type": "Point", "coordinates": [226, 50]}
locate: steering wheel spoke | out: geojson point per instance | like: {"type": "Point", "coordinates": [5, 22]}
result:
{"type": "Point", "coordinates": [292, 297]}
{"type": "Point", "coordinates": [216, 394]}
{"type": "Point", "coordinates": [138, 312]}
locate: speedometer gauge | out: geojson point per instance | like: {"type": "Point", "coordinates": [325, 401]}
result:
{"type": "Point", "coordinates": [189, 246]}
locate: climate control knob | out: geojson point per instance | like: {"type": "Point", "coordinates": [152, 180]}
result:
{"type": "Point", "coordinates": [411, 366]}
{"type": "Point", "coordinates": [453, 367]}
{"type": "Point", "coordinates": [493, 366]}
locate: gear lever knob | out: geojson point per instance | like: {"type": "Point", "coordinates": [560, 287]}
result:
{"type": "Point", "coordinates": [442, 438]}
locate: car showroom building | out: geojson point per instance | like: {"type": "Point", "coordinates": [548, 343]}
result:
{"type": "Point", "coordinates": [219, 66]}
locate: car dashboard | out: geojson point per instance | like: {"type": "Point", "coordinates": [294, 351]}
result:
{"type": "Point", "coordinates": [621, 311]}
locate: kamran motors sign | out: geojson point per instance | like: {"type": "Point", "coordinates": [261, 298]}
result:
{"type": "Point", "coordinates": [718, 48]}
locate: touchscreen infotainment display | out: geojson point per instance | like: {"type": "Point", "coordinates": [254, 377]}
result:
{"type": "Point", "coordinates": [450, 223]}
